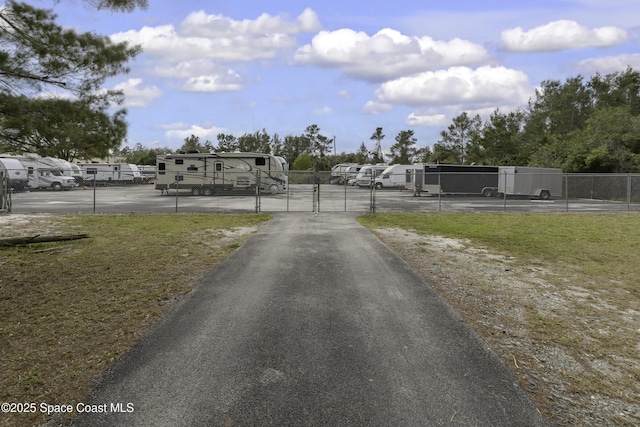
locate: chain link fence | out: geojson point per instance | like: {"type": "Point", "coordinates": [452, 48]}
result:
{"type": "Point", "coordinates": [309, 191]}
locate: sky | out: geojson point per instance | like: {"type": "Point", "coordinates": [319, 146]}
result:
{"type": "Point", "coordinates": [237, 67]}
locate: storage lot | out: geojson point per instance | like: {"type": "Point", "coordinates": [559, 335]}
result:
{"type": "Point", "coordinates": [299, 198]}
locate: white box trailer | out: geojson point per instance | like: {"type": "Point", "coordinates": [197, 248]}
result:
{"type": "Point", "coordinates": [543, 183]}
{"type": "Point", "coordinates": [397, 176]}
{"type": "Point", "coordinates": [109, 173]}
{"type": "Point", "coordinates": [221, 173]}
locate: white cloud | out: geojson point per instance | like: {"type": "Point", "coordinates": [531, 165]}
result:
{"type": "Point", "coordinates": [200, 24]}
{"type": "Point", "coordinates": [426, 120]}
{"type": "Point", "coordinates": [373, 107]}
{"type": "Point", "coordinates": [561, 35]}
{"type": "Point", "coordinates": [387, 54]}
{"type": "Point", "coordinates": [198, 49]}
{"type": "Point", "coordinates": [214, 83]}
{"type": "Point", "coordinates": [458, 85]}
{"type": "Point", "coordinates": [137, 94]}
{"type": "Point", "coordinates": [180, 131]}
{"type": "Point", "coordinates": [609, 64]}
{"type": "Point", "coordinates": [322, 111]}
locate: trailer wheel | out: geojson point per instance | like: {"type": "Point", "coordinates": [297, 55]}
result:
{"type": "Point", "coordinates": [56, 186]}
{"type": "Point", "coordinates": [378, 186]}
{"type": "Point", "coordinates": [545, 195]}
{"type": "Point", "coordinates": [487, 192]}
{"type": "Point", "coordinates": [273, 189]}
{"type": "Point", "coordinates": [207, 191]}
{"type": "Point", "coordinates": [196, 191]}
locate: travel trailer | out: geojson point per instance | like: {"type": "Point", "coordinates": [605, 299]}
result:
{"type": "Point", "coordinates": [15, 174]}
{"type": "Point", "coordinates": [221, 173]}
{"type": "Point", "coordinates": [397, 176]}
{"type": "Point", "coordinates": [109, 173]}
{"type": "Point", "coordinates": [368, 173]}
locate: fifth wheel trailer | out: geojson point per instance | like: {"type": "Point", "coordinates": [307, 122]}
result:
{"type": "Point", "coordinates": [221, 173]}
{"type": "Point", "coordinates": [542, 183]}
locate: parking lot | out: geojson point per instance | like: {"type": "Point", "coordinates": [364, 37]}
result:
{"type": "Point", "coordinates": [298, 198]}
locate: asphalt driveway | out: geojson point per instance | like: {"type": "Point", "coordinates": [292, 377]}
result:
{"type": "Point", "coordinates": [312, 322]}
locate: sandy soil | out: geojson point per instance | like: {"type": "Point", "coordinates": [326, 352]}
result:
{"type": "Point", "coordinates": [491, 292]}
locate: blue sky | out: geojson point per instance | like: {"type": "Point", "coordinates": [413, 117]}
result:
{"type": "Point", "coordinates": [242, 66]}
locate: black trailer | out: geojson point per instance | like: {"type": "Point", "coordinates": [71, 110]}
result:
{"type": "Point", "coordinates": [460, 179]}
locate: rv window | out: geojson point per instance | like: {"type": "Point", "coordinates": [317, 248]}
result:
{"type": "Point", "coordinates": [179, 161]}
{"type": "Point", "coordinates": [261, 161]}
{"type": "Point", "coordinates": [30, 171]}
{"type": "Point", "coordinates": [161, 168]}
{"type": "Point", "coordinates": [218, 167]}
{"type": "Point", "coordinates": [192, 168]}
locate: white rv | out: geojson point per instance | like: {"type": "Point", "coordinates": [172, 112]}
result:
{"type": "Point", "coordinates": [343, 172]}
{"type": "Point", "coordinates": [219, 173]}
{"type": "Point", "coordinates": [14, 172]}
{"type": "Point", "coordinates": [45, 172]}
{"type": "Point", "coordinates": [110, 173]}
{"type": "Point", "coordinates": [368, 173]}
{"type": "Point", "coordinates": [397, 176]}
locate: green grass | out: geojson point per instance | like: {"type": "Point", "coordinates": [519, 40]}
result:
{"type": "Point", "coordinates": [69, 309]}
{"type": "Point", "coordinates": [599, 245]}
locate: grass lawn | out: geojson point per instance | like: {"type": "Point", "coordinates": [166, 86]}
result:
{"type": "Point", "coordinates": [69, 309]}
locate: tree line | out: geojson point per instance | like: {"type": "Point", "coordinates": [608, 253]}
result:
{"type": "Point", "coordinates": [579, 125]}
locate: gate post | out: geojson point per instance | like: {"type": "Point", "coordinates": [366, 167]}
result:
{"type": "Point", "coordinates": [257, 190]}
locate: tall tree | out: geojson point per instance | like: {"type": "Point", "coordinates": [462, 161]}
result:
{"type": "Point", "coordinates": [226, 143]}
{"type": "Point", "coordinates": [258, 142]}
{"type": "Point", "coordinates": [453, 143]}
{"type": "Point", "coordinates": [378, 155]}
{"type": "Point", "coordinates": [404, 151]}
{"type": "Point", "coordinates": [501, 141]}
{"type": "Point", "coordinates": [37, 55]}
{"type": "Point", "coordinates": [319, 147]}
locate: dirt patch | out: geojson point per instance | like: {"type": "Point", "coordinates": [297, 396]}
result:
{"type": "Point", "coordinates": [509, 305]}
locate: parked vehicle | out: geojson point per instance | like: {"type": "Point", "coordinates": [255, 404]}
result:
{"type": "Point", "coordinates": [45, 172]}
{"type": "Point", "coordinates": [221, 173]}
{"type": "Point", "coordinates": [148, 172]}
{"type": "Point", "coordinates": [343, 172]}
{"type": "Point", "coordinates": [397, 176]}
{"type": "Point", "coordinates": [15, 173]}
{"type": "Point", "coordinates": [368, 173]}
{"type": "Point", "coordinates": [109, 173]}
{"type": "Point", "coordinates": [543, 183]}
{"type": "Point", "coordinates": [457, 179]}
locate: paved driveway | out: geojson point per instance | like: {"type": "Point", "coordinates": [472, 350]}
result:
{"type": "Point", "coordinates": [312, 322]}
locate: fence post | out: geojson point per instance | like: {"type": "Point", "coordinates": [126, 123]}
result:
{"type": "Point", "coordinates": [504, 190]}
{"type": "Point", "coordinates": [566, 191]}
{"type": "Point", "coordinates": [439, 194]}
{"type": "Point", "coordinates": [177, 181]}
{"type": "Point", "coordinates": [257, 190]}
{"type": "Point", "coordinates": [372, 194]}
{"type": "Point", "coordinates": [629, 192]}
